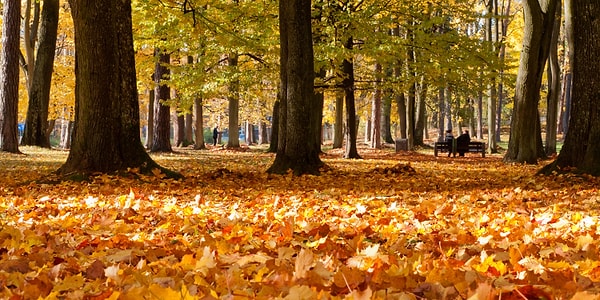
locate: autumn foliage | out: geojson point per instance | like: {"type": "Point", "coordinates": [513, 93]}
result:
{"type": "Point", "coordinates": [391, 226]}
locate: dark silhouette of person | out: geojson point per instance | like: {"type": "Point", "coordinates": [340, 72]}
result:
{"type": "Point", "coordinates": [462, 143]}
{"type": "Point", "coordinates": [215, 135]}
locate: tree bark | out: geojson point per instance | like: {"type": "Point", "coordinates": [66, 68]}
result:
{"type": "Point", "coordinates": [523, 145]}
{"type": "Point", "coordinates": [441, 114]}
{"type": "Point", "coordinates": [9, 76]}
{"type": "Point", "coordinates": [106, 134]}
{"type": "Point", "coordinates": [412, 90]}
{"type": "Point", "coordinates": [262, 133]}
{"type": "Point", "coordinates": [581, 150]}
{"type": "Point", "coordinates": [338, 127]}
{"type": "Point", "coordinates": [376, 110]}
{"type": "Point", "coordinates": [189, 129]}
{"type": "Point", "coordinates": [421, 113]}
{"type": "Point", "coordinates": [180, 132]}
{"type": "Point", "coordinates": [161, 140]}
{"type": "Point", "coordinates": [492, 100]}
{"type": "Point", "coordinates": [386, 119]}
{"type": "Point", "coordinates": [36, 122]}
{"type": "Point", "coordinates": [296, 150]}
{"type": "Point", "coordinates": [233, 98]}
{"type": "Point", "coordinates": [348, 84]}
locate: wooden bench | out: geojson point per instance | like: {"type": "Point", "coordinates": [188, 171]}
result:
{"type": "Point", "coordinates": [474, 147]}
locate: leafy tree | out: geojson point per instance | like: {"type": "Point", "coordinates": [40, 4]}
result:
{"type": "Point", "coordinates": [36, 124]}
{"type": "Point", "coordinates": [106, 135]}
{"type": "Point", "coordinates": [581, 150]}
{"type": "Point", "coordinates": [296, 149]}
{"type": "Point", "coordinates": [9, 76]}
{"type": "Point", "coordinates": [525, 144]}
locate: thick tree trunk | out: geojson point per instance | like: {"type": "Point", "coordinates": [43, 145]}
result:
{"type": "Point", "coordinates": [36, 122]}
{"type": "Point", "coordinates": [9, 76]}
{"type": "Point", "coordinates": [351, 124]}
{"type": "Point", "coordinates": [199, 123]}
{"type": "Point", "coordinates": [296, 150]}
{"type": "Point", "coordinates": [106, 135]}
{"type": "Point", "coordinates": [581, 150]}
{"type": "Point", "coordinates": [523, 145]}
{"type": "Point", "coordinates": [338, 127]}
{"type": "Point", "coordinates": [161, 140]}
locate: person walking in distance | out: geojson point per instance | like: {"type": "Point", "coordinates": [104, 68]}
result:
{"type": "Point", "coordinates": [215, 135]}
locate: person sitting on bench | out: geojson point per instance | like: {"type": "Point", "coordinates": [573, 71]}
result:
{"type": "Point", "coordinates": [462, 143]}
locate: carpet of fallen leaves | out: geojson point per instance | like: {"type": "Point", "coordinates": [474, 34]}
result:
{"type": "Point", "coordinates": [390, 226]}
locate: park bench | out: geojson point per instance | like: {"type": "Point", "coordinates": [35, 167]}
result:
{"type": "Point", "coordinates": [474, 147]}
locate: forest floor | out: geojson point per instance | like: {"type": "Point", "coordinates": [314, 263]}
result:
{"type": "Point", "coordinates": [389, 226]}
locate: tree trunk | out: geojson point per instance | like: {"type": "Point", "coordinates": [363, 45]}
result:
{"type": "Point", "coordinates": [480, 115]}
{"type": "Point", "coordinates": [66, 134]}
{"type": "Point", "coordinates": [180, 132]}
{"type": "Point", "coordinates": [386, 119]}
{"type": "Point", "coordinates": [569, 76]}
{"type": "Point", "coordinates": [189, 129]}
{"type": "Point", "coordinates": [106, 134]}
{"type": "Point", "coordinates": [553, 88]}
{"type": "Point", "coordinates": [421, 113]}
{"type": "Point", "coordinates": [440, 115]}
{"type": "Point", "coordinates": [581, 150]}
{"type": "Point", "coordinates": [523, 145]}
{"type": "Point", "coordinates": [199, 122]}
{"type": "Point", "coordinates": [376, 110]}
{"type": "Point", "coordinates": [233, 98]}
{"type": "Point", "coordinates": [338, 127]}
{"type": "Point", "coordinates": [30, 37]}
{"type": "Point", "coordinates": [263, 138]}
{"type": "Point", "coordinates": [9, 76]}
{"type": "Point", "coordinates": [411, 98]}
{"type": "Point", "coordinates": [161, 141]}
{"type": "Point", "coordinates": [348, 84]}
{"type": "Point", "coordinates": [296, 150]}
{"type": "Point", "coordinates": [448, 108]}
{"type": "Point", "coordinates": [36, 122]}
{"type": "Point", "coordinates": [492, 100]}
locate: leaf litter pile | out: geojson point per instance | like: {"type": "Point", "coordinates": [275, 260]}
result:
{"type": "Point", "coordinates": [390, 226]}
